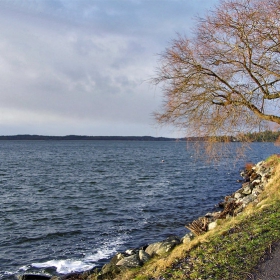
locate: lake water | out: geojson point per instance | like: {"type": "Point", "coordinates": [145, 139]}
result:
{"type": "Point", "coordinates": [71, 205]}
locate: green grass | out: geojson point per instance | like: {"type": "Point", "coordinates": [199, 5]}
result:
{"type": "Point", "coordinates": [235, 253]}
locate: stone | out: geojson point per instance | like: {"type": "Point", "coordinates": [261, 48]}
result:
{"type": "Point", "coordinates": [237, 195]}
{"type": "Point", "coordinates": [254, 176]}
{"type": "Point", "coordinates": [72, 276]}
{"type": "Point", "coordinates": [256, 182]}
{"type": "Point", "coordinates": [247, 190]}
{"type": "Point", "coordinates": [257, 190]}
{"type": "Point", "coordinates": [187, 238]}
{"type": "Point", "coordinates": [248, 199]}
{"type": "Point", "coordinates": [131, 261]}
{"type": "Point", "coordinates": [33, 277]}
{"type": "Point", "coordinates": [111, 266]}
{"type": "Point", "coordinates": [161, 248]}
{"type": "Point", "coordinates": [208, 215]}
{"type": "Point", "coordinates": [212, 225]}
{"type": "Point", "coordinates": [258, 166]}
{"type": "Point", "coordinates": [143, 256]}
{"type": "Point", "coordinates": [130, 252]}
{"type": "Point", "coordinates": [229, 200]}
{"type": "Point", "coordinates": [244, 185]}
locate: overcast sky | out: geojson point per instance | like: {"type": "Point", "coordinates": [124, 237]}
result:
{"type": "Point", "coordinates": [83, 66]}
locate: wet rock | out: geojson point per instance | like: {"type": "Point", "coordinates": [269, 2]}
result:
{"type": "Point", "coordinates": [72, 276]}
{"type": "Point", "coordinates": [209, 215]}
{"type": "Point", "coordinates": [33, 277]}
{"type": "Point", "coordinates": [111, 267]}
{"type": "Point", "coordinates": [131, 252]}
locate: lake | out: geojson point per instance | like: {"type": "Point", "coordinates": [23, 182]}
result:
{"type": "Point", "coordinates": [71, 205]}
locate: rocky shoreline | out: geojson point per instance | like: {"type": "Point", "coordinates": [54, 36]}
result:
{"type": "Point", "coordinates": [254, 181]}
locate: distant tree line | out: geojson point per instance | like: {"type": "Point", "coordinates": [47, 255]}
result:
{"type": "Point", "coordinates": [264, 136]}
{"type": "Point", "coordinates": [82, 137]}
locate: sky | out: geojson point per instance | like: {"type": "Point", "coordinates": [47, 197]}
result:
{"type": "Point", "coordinates": [84, 67]}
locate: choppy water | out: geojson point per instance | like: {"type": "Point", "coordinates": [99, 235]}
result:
{"type": "Point", "coordinates": [70, 205]}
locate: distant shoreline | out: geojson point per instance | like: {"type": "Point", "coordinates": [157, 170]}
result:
{"type": "Point", "coordinates": [265, 136]}
{"type": "Point", "coordinates": [257, 137]}
{"type": "Point", "coordinates": [80, 137]}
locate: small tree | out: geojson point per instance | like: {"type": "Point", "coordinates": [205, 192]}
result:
{"type": "Point", "coordinates": [225, 79]}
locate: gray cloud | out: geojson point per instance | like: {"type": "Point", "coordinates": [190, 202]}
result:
{"type": "Point", "coordinates": [81, 67]}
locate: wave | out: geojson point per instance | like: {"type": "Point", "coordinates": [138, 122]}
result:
{"type": "Point", "coordinates": [65, 266]}
{"type": "Point", "coordinates": [90, 261]}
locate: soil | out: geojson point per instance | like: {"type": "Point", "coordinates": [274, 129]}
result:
{"type": "Point", "coordinates": [269, 266]}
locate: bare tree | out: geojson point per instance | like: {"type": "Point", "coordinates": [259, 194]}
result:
{"type": "Point", "coordinates": [225, 79]}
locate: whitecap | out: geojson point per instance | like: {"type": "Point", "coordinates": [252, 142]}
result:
{"type": "Point", "coordinates": [88, 262]}
{"type": "Point", "coordinates": [65, 266]}
{"type": "Point", "coordinates": [107, 250]}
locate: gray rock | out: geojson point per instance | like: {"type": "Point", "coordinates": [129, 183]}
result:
{"type": "Point", "coordinates": [131, 261]}
{"type": "Point", "coordinates": [55, 278]}
{"type": "Point", "coordinates": [130, 252]}
{"type": "Point", "coordinates": [161, 248]}
{"type": "Point", "coordinates": [248, 199]}
{"type": "Point", "coordinates": [244, 185]}
{"type": "Point", "coordinates": [257, 190]}
{"type": "Point", "coordinates": [187, 238]}
{"type": "Point", "coordinates": [33, 277]}
{"type": "Point", "coordinates": [231, 199]}
{"type": "Point", "coordinates": [247, 190]}
{"type": "Point", "coordinates": [256, 182]}
{"type": "Point", "coordinates": [111, 266]}
{"type": "Point", "coordinates": [143, 256]}
{"type": "Point", "coordinates": [237, 195]}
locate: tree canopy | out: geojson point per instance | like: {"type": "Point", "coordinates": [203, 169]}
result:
{"type": "Point", "coordinates": [225, 78]}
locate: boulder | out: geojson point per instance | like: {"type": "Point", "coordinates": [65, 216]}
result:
{"type": "Point", "coordinates": [248, 199]}
{"type": "Point", "coordinates": [256, 183]}
{"type": "Point", "coordinates": [257, 190]}
{"type": "Point", "coordinates": [111, 267]}
{"type": "Point", "coordinates": [247, 190]}
{"type": "Point", "coordinates": [212, 225]}
{"type": "Point", "coordinates": [143, 256]}
{"type": "Point", "coordinates": [131, 261]}
{"type": "Point", "coordinates": [161, 248]}
{"type": "Point", "coordinates": [131, 252]}
{"type": "Point", "coordinates": [237, 195]}
{"type": "Point", "coordinates": [33, 277]}
{"type": "Point", "coordinates": [187, 238]}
